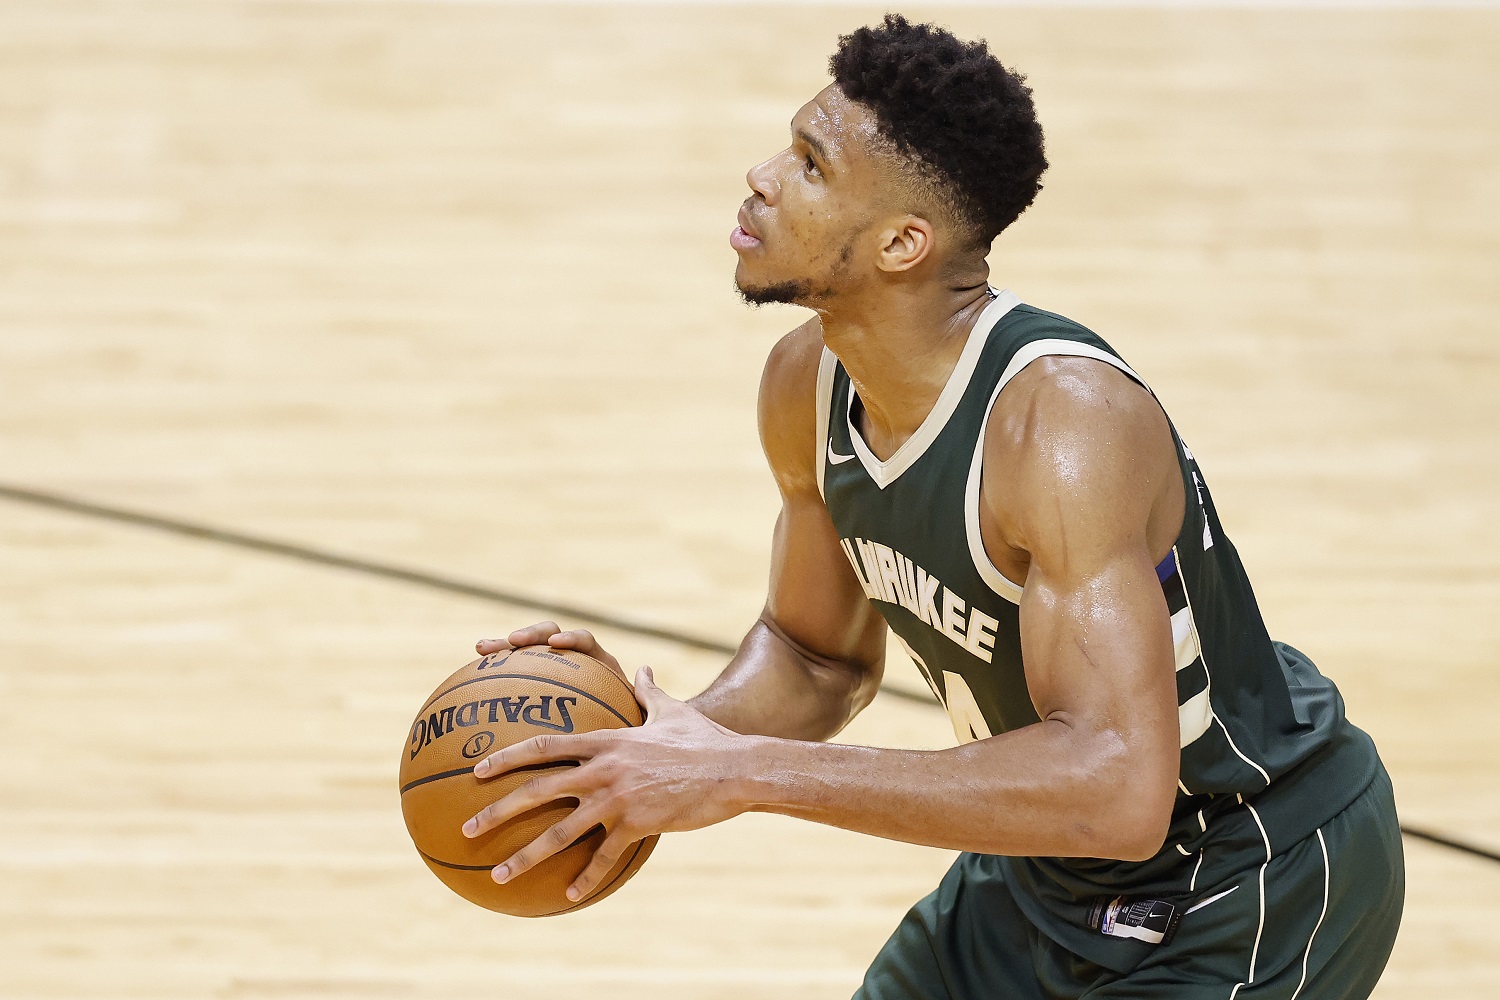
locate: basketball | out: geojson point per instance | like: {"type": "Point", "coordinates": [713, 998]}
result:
{"type": "Point", "coordinates": [494, 702]}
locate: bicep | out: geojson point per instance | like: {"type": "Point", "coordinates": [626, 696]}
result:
{"type": "Point", "coordinates": [1088, 497]}
{"type": "Point", "coordinates": [1097, 652]}
{"type": "Point", "coordinates": [1097, 648]}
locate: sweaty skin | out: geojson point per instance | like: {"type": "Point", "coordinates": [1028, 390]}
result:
{"type": "Point", "coordinates": [1080, 498]}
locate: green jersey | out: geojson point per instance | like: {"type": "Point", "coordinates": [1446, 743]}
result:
{"type": "Point", "coordinates": [1266, 753]}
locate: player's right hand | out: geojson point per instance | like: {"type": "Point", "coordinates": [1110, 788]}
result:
{"type": "Point", "coordinates": [548, 634]}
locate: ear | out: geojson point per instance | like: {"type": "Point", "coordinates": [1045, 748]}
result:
{"type": "Point", "coordinates": [905, 244]}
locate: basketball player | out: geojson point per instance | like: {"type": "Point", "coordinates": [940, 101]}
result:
{"type": "Point", "coordinates": [1154, 799]}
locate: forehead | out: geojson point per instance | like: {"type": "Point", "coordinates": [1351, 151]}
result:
{"type": "Point", "coordinates": [843, 127]}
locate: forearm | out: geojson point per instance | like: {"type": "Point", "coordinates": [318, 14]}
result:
{"type": "Point", "coordinates": [771, 688]}
{"type": "Point", "coordinates": [1043, 790]}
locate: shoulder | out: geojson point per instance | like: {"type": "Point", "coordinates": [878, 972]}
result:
{"type": "Point", "coordinates": [787, 409]}
{"type": "Point", "coordinates": [1069, 386]}
{"type": "Point", "coordinates": [1063, 399]}
{"type": "Point", "coordinates": [1075, 437]}
{"type": "Point", "coordinates": [1059, 392]}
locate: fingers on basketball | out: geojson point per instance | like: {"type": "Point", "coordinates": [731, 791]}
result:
{"type": "Point", "coordinates": [605, 858]}
{"type": "Point", "coordinates": [532, 635]}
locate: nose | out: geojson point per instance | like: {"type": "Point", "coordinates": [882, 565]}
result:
{"type": "Point", "coordinates": [762, 180]}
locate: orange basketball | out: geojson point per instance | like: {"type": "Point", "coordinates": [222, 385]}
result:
{"type": "Point", "coordinates": [494, 702]}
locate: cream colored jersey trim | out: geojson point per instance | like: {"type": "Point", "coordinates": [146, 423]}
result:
{"type": "Point", "coordinates": [1034, 351]}
{"type": "Point", "coordinates": [826, 365]}
{"type": "Point", "coordinates": [885, 473]}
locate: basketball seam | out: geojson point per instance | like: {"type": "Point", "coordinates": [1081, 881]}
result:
{"type": "Point", "coordinates": [578, 840]}
{"type": "Point", "coordinates": [618, 675]}
{"type": "Point", "coordinates": [629, 688]}
{"type": "Point", "coordinates": [640, 845]}
{"type": "Point", "coordinates": [529, 677]}
{"type": "Point", "coordinates": [449, 864]}
{"type": "Point", "coordinates": [428, 703]}
{"type": "Point", "coordinates": [438, 776]}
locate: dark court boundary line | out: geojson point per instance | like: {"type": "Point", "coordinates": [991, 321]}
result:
{"type": "Point", "coordinates": [1442, 841]}
{"type": "Point", "coordinates": [369, 567]}
{"type": "Point", "coordinates": [402, 574]}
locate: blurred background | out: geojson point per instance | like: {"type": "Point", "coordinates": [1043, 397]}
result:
{"type": "Point", "coordinates": [445, 287]}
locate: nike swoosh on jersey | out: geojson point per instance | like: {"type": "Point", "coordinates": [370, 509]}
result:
{"type": "Point", "coordinates": [835, 458]}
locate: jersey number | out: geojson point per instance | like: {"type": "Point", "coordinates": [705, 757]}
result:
{"type": "Point", "coordinates": [963, 710]}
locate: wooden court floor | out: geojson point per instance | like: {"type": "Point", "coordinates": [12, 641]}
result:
{"type": "Point", "coordinates": [447, 286]}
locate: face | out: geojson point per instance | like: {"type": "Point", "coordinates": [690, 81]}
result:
{"type": "Point", "coordinates": [807, 231]}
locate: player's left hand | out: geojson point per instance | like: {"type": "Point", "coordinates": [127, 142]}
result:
{"type": "Point", "coordinates": [679, 771]}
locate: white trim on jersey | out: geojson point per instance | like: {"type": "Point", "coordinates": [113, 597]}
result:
{"type": "Point", "coordinates": [826, 365]}
{"type": "Point", "coordinates": [1308, 953]}
{"type": "Point", "coordinates": [1194, 716]}
{"type": "Point", "coordinates": [1208, 672]}
{"type": "Point", "coordinates": [1034, 351]}
{"type": "Point", "coordinates": [885, 473]}
{"type": "Point", "coordinates": [1211, 899]}
{"type": "Point", "coordinates": [1184, 639]}
{"type": "Point", "coordinates": [1261, 925]}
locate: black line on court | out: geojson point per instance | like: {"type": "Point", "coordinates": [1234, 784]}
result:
{"type": "Point", "coordinates": [369, 567]}
{"type": "Point", "coordinates": [322, 557]}
{"type": "Point", "coordinates": [1457, 845]}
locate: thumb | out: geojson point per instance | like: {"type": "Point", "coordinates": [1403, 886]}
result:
{"type": "Point", "coordinates": [652, 698]}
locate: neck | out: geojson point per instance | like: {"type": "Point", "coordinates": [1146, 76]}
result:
{"type": "Point", "coordinates": [899, 347]}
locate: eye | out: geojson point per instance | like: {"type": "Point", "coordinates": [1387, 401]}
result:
{"type": "Point", "coordinates": [808, 165]}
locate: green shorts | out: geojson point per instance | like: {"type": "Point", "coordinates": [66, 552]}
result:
{"type": "Point", "coordinates": [1317, 922]}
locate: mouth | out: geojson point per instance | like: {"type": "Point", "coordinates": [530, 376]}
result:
{"type": "Point", "coordinates": [744, 237]}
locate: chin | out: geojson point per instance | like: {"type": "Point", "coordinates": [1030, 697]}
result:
{"type": "Point", "coordinates": [790, 293]}
{"type": "Point", "coordinates": [768, 292]}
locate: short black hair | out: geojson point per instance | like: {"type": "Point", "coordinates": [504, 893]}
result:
{"type": "Point", "coordinates": [953, 107]}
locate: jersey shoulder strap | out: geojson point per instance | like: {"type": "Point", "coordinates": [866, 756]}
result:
{"type": "Point", "coordinates": [827, 365]}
